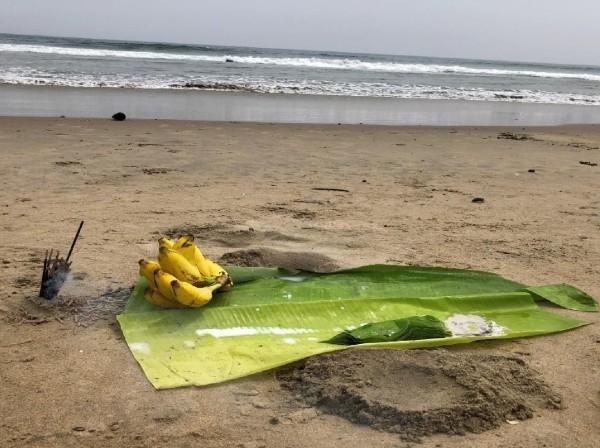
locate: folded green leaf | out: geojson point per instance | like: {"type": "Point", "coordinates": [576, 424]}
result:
{"type": "Point", "coordinates": [412, 328]}
{"type": "Point", "coordinates": [566, 296]}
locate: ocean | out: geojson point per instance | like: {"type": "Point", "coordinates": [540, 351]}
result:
{"type": "Point", "coordinates": [77, 62]}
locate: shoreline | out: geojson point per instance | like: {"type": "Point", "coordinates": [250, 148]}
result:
{"type": "Point", "coordinates": [219, 106]}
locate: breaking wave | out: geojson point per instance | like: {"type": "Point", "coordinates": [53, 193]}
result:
{"type": "Point", "coordinates": [23, 76]}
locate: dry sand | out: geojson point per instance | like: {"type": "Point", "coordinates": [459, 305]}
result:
{"type": "Point", "coordinates": [68, 378]}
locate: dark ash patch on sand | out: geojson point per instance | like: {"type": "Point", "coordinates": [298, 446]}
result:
{"type": "Point", "coordinates": [416, 393]}
{"type": "Point", "coordinates": [265, 257]}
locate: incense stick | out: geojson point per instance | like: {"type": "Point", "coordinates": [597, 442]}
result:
{"type": "Point", "coordinates": [74, 241]}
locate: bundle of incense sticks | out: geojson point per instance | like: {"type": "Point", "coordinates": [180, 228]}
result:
{"type": "Point", "coordinates": [56, 270]}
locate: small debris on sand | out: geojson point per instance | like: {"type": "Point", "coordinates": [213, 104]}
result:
{"type": "Point", "coordinates": [512, 136]}
{"type": "Point", "coordinates": [342, 190]}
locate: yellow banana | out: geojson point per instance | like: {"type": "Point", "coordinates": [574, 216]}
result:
{"type": "Point", "coordinates": [189, 295]}
{"type": "Point", "coordinates": [163, 284]}
{"type": "Point", "coordinates": [166, 242]}
{"type": "Point", "coordinates": [147, 270]}
{"type": "Point", "coordinates": [176, 264]}
{"type": "Point", "coordinates": [214, 269]}
{"type": "Point", "coordinates": [186, 247]}
{"type": "Point", "coordinates": [209, 271]}
{"type": "Point", "coordinates": [156, 298]}
{"type": "Point", "coordinates": [183, 240]}
{"type": "Point", "coordinates": [219, 274]}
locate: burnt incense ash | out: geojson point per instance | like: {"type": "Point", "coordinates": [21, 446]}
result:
{"type": "Point", "coordinates": [56, 270]}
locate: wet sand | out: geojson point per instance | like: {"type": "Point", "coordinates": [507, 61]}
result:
{"type": "Point", "coordinates": [45, 101]}
{"type": "Point", "coordinates": [68, 378]}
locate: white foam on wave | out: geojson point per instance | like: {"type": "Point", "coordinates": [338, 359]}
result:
{"type": "Point", "coordinates": [29, 76]}
{"type": "Point", "coordinates": [322, 63]}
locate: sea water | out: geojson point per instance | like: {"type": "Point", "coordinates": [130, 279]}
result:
{"type": "Point", "coordinates": [36, 60]}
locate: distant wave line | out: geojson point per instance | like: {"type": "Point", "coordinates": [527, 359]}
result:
{"type": "Point", "coordinates": [321, 63]}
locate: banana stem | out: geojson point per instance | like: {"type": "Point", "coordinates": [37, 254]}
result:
{"type": "Point", "coordinates": [223, 280]}
{"type": "Point", "coordinates": [215, 286]}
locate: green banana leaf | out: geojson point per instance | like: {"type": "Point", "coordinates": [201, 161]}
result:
{"type": "Point", "coordinates": [273, 317]}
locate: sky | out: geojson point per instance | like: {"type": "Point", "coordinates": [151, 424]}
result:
{"type": "Point", "coordinates": [556, 31]}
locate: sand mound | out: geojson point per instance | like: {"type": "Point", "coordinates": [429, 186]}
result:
{"type": "Point", "coordinates": [420, 392]}
{"type": "Point", "coordinates": [305, 261]}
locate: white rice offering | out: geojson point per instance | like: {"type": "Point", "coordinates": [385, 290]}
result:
{"type": "Point", "coordinates": [472, 325]}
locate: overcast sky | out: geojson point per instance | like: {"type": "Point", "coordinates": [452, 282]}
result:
{"type": "Point", "coordinates": [523, 30]}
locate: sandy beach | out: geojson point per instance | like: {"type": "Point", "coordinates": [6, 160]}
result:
{"type": "Point", "coordinates": [404, 195]}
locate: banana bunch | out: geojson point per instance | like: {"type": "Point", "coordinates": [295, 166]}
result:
{"type": "Point", "coordinates": [182, 277]}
